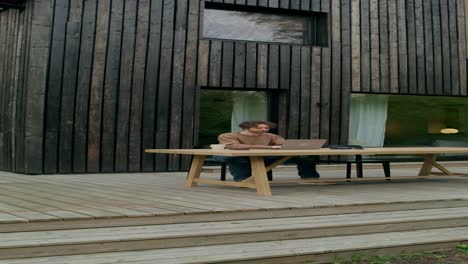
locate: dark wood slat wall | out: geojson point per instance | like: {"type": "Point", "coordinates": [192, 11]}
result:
{"type": "Point", "coordinates": [122, 75]}
{"type": "Point", "coordinates": [15, 40]}
{"type": "Point", "coordinates": [22, 91]}
{"type": "Point", "coordinates": [136, 110]}
{"type": "Point", "coordinates": [83, 86]}
{"type": "Point", "coordinates": [54, 89]}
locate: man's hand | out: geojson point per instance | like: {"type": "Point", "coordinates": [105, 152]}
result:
{"type": "Point", "coordinates": [276, 147]}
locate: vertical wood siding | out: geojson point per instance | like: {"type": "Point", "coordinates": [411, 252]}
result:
{"type": "Point", "coordinates": [107, 79]}
{"type": "Point", "coordinates": [15, 42]}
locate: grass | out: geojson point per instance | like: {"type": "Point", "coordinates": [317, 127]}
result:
{"type": "Point", "coordinates": [463, 248]}
{"type": "Point", "coordinates": [458, 255]}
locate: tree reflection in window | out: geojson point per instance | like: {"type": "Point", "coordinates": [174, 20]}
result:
{"type": "Point", "coordinates": [263, 26]}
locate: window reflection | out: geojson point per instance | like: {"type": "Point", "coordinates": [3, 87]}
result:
{"type": "Point", "coordinates": [400, 120]}
{"type": "Point", "coordinates": [263, 26]}
{"type": "Point", "coordinates": [238, 25]}
{"type": "Point", "coordinates": [222, 110]}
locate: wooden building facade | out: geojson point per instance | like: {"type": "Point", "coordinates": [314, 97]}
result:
{"type": "Point", "coordinates": [86, 86]}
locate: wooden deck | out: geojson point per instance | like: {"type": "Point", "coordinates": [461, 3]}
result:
{"type": "Point", "coordinates": [152, 218]}
{"type": "Point", "coordinates": [44, 198]}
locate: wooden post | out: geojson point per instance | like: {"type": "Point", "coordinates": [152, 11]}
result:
{"type": "Point", "coordinates": [427, 165]}
{"type": "Point", "coordinates": [195, 170]}
{"type": "Point", "coordinates": [260, 176]}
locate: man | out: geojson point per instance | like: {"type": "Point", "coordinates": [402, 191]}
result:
{"type": "Point", "coordinates": [254, 135]}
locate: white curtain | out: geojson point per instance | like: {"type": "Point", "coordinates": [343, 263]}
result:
{"type": "Point", "coordinates": [248, 106]}
{"type": "Point", "coordinates": [368, 117]}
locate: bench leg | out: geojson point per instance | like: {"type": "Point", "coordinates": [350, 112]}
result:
{"type": "Point", "coordinates": [386, 168]}
{"type": "Point", "coordinates": [270, 175]}
{"type": "Point", "coordinates": [359, 166]}
{"type": "Point", "coordinates": [348, 170]}
{"type": "Point", "coordinates": [223, 171]}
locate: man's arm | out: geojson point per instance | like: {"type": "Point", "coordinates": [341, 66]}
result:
{"type": "Point", "coordinates": [232, 142]}
{"type": "Point", "coordinates": [276, 140]}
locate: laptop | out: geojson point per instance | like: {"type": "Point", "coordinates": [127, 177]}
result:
{"type": "Point", "coordinates": [292, 144]}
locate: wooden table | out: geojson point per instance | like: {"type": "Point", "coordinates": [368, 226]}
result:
{"type": "Point", "coordinates": [259, 180]}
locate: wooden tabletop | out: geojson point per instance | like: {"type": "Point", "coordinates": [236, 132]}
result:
{"type": "Point", "coordinates": [322, 151]}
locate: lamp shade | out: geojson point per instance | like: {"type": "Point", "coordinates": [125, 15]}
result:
{"type": "Point", "coordinates": [449, 130]}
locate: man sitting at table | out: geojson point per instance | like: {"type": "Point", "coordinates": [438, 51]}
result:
{"type": "Point", "coordinates": [255, 136]}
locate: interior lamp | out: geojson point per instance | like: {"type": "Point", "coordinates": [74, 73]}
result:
{"type": "Point", "coordinates": [449, 131]}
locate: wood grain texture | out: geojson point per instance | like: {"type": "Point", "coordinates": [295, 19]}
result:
{"type": "Point", "coordinates": [85, 70]}
{"type": "Point", "coordinates": [125, 91]}
{"type": "Point", "coordinates": [437, 35]}
{"type": "Point", "coordinates": [69, 88]}
{"type": "Point", "coordinates": [365, 52]}
{"type": "Point", "coordinates": [421, 47]}
{"type": "Point", "coordinates": [56, 59]}
{"type": "Point", "coordinates": [402, 47]}
{"type": "Point", "coordinates": [138, 84]}
{"type": "Point", "coordinates": [355, 17]}
{"type": "Point", "coordinates": [393, 45]}
{"type": "Point", "coordinates": [97, 85]}
{"type": "Point", "coordinates": [446, 56]}
{"type": "Point", "coordinates": [412, 56]}
{"type": "Point", "coordinates": [36, 87]}
{"type": "Point", "coordinates": [453, 32]}
{"type": "Point", "coordinates": [462, 46]}
{"type": "Point", "coordinates": [429, 47]}
{"type": "Point", "coordinates": [151, 83]}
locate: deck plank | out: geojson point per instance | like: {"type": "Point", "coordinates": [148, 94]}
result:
{"type": "Point", "coordinates": [101, 235]}
{"type": "Point", "coordinates": [258, 250]}
{"type": "Point", "coordinates": [68, 197]}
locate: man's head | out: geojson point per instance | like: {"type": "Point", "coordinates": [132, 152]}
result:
{"type": "Point", "coordinates": [257, 126]}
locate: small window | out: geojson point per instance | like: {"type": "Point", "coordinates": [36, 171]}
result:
{"type": "Point", "coordinates": [19, 4]}
{"type": "Point", "coordinates": [264, 25]}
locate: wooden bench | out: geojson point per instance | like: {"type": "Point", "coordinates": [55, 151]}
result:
{"type": "Point", "coordinates": [359, 170]}
{"type": "Point", "coordinates": [223, 169]}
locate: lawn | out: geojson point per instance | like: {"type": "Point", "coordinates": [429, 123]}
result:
{"type": "Point", "coordinates": [458, 255]}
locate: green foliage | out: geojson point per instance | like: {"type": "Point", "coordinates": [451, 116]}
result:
{"type": "Point", "coordinates": [463, 248]}
{"type": "Point", "coordinates": [443, 257]}
{"type": "Point", "coordinates": [215, 115]}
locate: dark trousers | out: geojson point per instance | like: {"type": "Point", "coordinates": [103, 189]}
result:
{"type": "Point", "coordinates": [240, 166]}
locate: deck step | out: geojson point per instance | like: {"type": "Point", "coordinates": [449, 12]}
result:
{"type": "Point", "coordinates": [8, 227]}
{"type": "Point", "coordinates": [113, 239]}
{"type": "Point", "coordinates": [311, 250]}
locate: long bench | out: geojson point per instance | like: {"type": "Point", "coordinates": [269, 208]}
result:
{"type": "Point", "coordinates": [359, 160]}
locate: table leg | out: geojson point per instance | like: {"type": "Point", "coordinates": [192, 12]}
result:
{"type": "Point", "coordinates": [195, 170]}
{"type": "Point", "coordinates": [427, 165]}
{"type": "Point", "coordinates": [431, 162]}
{"type": "Point", "coordinates": [260, 176]}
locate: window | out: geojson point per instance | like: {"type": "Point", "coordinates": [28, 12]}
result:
{"type": "Point", "coordinates": [222, 110]}
{"type": "Point", "coordinates": [424, 120]}
{"type": "Point", "coordinates": [397, 120]}
{"type": "Point", "coordinates": [264, 25]}
{"type": "Point", "coordinates": [5, 4]}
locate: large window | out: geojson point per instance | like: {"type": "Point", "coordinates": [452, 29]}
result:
{"type": "Point", "coordinates": [221, 111]}
{"type": "Point", "coordinates": [427, 120]}
{"type": "Point", "coordinates": [396, 120]}
{"type": "Point", "coordinates": [264, 25]}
